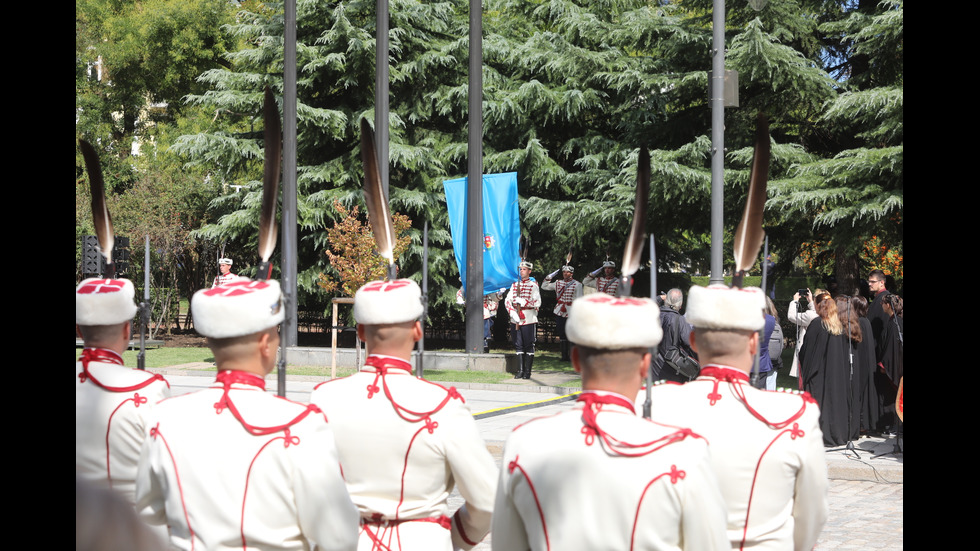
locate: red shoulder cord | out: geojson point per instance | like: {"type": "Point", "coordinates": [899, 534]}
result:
{"type": "Point", "coordinates": [593, 405]}
{"type": "Point", "coordinates": [228, 378]}
{"type": "Point", "coordinates": [110, 357]}
{"type": "Point", "coordinates": [381, 367]}
{"type": "Point", "coordinates": [736, 379]}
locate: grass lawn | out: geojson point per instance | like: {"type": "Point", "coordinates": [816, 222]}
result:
{"type": "Point", "coordinates": [544, 361]}
{"type": "Point", "coordinates": [164, 357]}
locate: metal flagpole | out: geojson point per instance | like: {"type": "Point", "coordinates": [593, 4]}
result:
{"type": "Point", "coordinates": [144, 307]}
{"type": "Point", "coordinates": [474, 188]}
{"type": "Point", "coordinates": [289, 201]}
{"type": "Point", "coordinates": [420, 368]}
{"type": "Point", "coordinates": [653, 350]}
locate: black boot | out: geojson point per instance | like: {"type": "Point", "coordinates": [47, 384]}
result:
{"type": "Point", "coordinates": [564, 351]}
{"type": "Point", "coordinates": [520, 367]}
{"type": "Point", "coordinates": [528, 361]}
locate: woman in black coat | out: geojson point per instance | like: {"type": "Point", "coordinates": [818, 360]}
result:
{"type": "Point", "coordinates": [825, 371]}
{"type": "Point", "coordinates": [871, 407]}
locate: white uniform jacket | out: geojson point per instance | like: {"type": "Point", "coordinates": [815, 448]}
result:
{"type": "Point", "coordinates": [565, 292]}
{"type": "Point", "coordinates": [223, 279]}
{"type": "Point", "coordinates": [489, 302]}
{"type": "Point", "coordinates": [530, 295]}
{"type": "Point", "coordinates": [233, 467]}
{"type": "Point", "coordinates": [404, 443]}
{"type": "Point", "coordinates": [111, 405]}
{"type": "Point", "coordinates": [767, 451]}
{"type": "Point", "coordinates": [609, 480]}
{"type": "Point", "coordinates": [602, 284]}
{"type": "Point", "coordinates": [802, 320]}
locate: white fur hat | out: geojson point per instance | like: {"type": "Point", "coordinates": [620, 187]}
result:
{"type": "Point", "coordinates": [568, 268]}
{"type": "Point", "coordinates": [225, 261]}
{"type": "Point", "coordinates": [721, 307]}
{"type": "Point", "coordinates": [238, 308]}
{"type": "Point", "coordinates": [383, 302]}
{"type": "Point", "coordinates": [614, 323]}
{"type": "Point", "coordinates": [526, 264]}
{"type": "Point", "coordinates": [608, 264]}
{"type": "Point", "coordinates": [104, 301]}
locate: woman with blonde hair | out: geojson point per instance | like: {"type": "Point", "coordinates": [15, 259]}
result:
{"type": "Point", "coordinates": [825, 370]}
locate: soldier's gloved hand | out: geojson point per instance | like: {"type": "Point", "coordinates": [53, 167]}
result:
{"type": "Point", "coordinates": [595, 272]}
{"type": "Point", "coordinates": [520, 301]}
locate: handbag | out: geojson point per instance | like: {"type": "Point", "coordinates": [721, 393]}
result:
{"type": "Point", "coordinates": [682, 363]}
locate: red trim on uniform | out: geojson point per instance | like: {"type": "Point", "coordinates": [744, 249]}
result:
{"type": "Point", "coordinates": [737, 379]}
{"type": "Point", "coordinates": [431, 426]}
{"type": "Point", "coordinates": [605, 285]}
{"type": "Point", "coordinates": [377, 520]}
{"type": "Point", "coordinates": [462, 531]}
{"type": "Point", "coordinates": [794, 433]}
{"type": "Point", "coordinates": [537, 503]}
{"type": "Point", "coordinates": [154, 433]}
{"type": "Point", "coordinates": [724, 373]}
{"type": "Point", "coordinates": [108, 356]}
{"type": "Point", "coordinates": [593, 403]}
{"type": "Point", "coordinates": [382, 365]}
{"type": "Point", "coordinates": [137, 400]}
{"type": "Point", "coordinates": [287, 441]}
{"type": "Point", "coordinates": [675, 475]}
{"type": "Point", "coordinates": [228, 378]}
{"type": "Point", "coordinates": [518, 289]}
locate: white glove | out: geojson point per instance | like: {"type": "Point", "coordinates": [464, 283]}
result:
{"type": "Point", "coordinates": [520, 301]}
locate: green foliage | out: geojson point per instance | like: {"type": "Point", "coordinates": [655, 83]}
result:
{"type": "Point", "coordinates": [353, 252]}
{"type": "Point", "coordinates": [572, 89]}
{"type": "Point", "coordinates": [852, 190]}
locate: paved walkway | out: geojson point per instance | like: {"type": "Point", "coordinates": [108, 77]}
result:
{"type": "Point", "coordinates": [866, 492]}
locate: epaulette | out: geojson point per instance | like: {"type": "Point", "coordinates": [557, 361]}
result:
{"type": "Point", "coordinates": [804, 394]}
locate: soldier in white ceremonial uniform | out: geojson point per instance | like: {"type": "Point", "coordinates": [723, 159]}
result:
{"type": "Point", "coordinates": [607, 282]}
{"type": "Point", "coordinates": [490, 303]}
{"type": "Point", "coordinates": [224, 266]}
{"type": "Point", "coordinates": [566, 290]}
{"type": "Point", "coordinates": [405, 442]}
{"type": "Point", "coordinates": [522, 304]}
{"type": "Point", "coordinates": [599, 476]}
{"type": "Point", "coordinates": [111, 401]}
{"type": "Point", "coordinates": [766, 447]}
{"type": "Point", "coordinates": [233, 466]}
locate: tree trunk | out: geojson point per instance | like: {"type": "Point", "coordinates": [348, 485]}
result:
{"type": "Point", "coordinates": [847, 268]}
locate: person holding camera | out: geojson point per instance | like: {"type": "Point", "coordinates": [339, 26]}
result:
{"type": "Point", "coordinates": [801, 313]}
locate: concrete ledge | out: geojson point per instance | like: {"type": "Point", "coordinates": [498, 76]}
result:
{"type": "Point", "coordinates": [133, 344]}
{"type": "Point", "coordinates": [449, 361]}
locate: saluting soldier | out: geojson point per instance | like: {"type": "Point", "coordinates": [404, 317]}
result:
{"type": "Point", "coordinates": [566, 290]}
{"type": "Point", "coordinates": [522, 304]}
{"type": "Point", "coordinates": [111, 401]}
{"type": "Point", "coordinates": [405, 442]}
{"type": "Point", "coordinates": [235, 466]}
{"type": "Point", "coordinates": [607, 282]}
{"type": "Point", "coordinates": [599, 476]}
{"type": "Point", "coordinates": [766, 447]}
